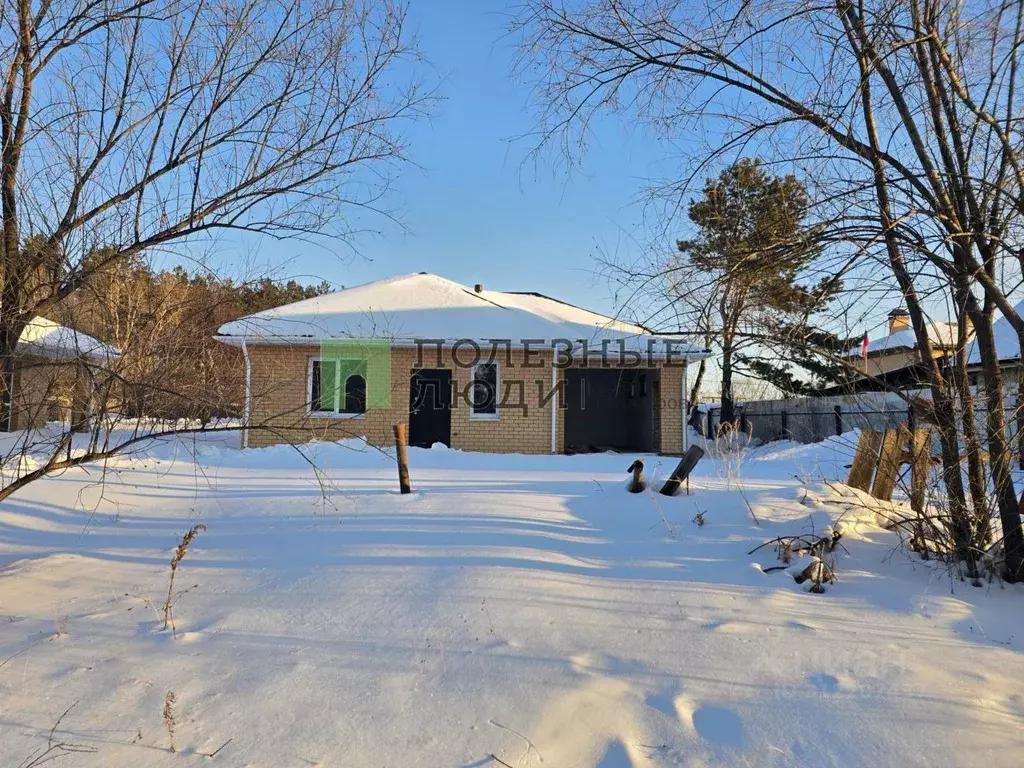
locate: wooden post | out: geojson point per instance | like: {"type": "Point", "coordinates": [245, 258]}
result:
{"type": "Point", "coordinates": [893, 444]}
{"type": "Point", "coordinates": [637, 483]}
{"type": "Point", "coordinates": [920, 460]}
{"type": "Point", "coordinates": [403, 459]}
{"type": "Point", "coordinates": [682, 470]}
{"type": "Point", "coordinates": [785, 423]}
{"type": "Point", "coordinates": [839, 420]}
{"type": "Point", "coordinates": [865, 460]}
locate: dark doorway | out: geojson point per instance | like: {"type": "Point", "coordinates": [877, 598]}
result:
{"type": "Point", "coordinates": [430, 407]}
{"type": "Point", "coordinates": [610, 409]}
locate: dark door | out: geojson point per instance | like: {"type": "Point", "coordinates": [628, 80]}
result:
{"type": "Point", "coordinates": [609, 409]}
{"type": "Point", "coordinates": [430, 407]}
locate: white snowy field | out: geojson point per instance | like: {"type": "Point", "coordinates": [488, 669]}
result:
{"type": "Point", "coordinates": [518, 611]}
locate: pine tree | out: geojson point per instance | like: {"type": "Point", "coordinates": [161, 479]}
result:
{"type": "Point", "coordinates": [751, 246]}
{"type": "Point", "coordinates": [804, 348]}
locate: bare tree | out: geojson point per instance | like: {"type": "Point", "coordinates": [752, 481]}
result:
{"type": "Point", "coordinates": [905, 113]}
{"type": "Point", "coordinates": [135, 126]}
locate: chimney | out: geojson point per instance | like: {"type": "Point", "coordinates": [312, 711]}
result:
{"type": "Point", "coordinates": [899, 320]}
{"type": "Point", "coordinates": [478, 288]}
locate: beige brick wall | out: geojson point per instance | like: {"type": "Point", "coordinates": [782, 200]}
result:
{"type": "Point", "coordinates": [672, 409]}
{"type": "Point", "coordinates": [280, 408]}
{"type": "Point", "coordinates": [279, 403]}
{"type": "Point", "coordinates": [43, 392]}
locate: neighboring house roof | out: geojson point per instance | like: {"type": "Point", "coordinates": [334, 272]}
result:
{"type": "Point", "coordinates": [1007, 344]}
{"type": "Point", "coordinates": [408, 308]}
{"type": "Point", "coordinates": [912, 376]}
{"type": "Point", "coordinates": [46, 338]}
{"type": "Point", "coordinates": [941, 334]}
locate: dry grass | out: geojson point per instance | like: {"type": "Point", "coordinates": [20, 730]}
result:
{"type": "Point", "coordinates": [55, 749]}
{"type": "Point", "coordinates": [169, 702]}
{"type": "Point", "coordinates": [179, 555]}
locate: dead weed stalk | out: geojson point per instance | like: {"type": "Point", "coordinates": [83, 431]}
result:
{"type": "Point", "coordinates": [55, 749]}
{"type": "Point", "coordinates": [169, 702]}
{"type": "Point", "coordinates": [179, 554]}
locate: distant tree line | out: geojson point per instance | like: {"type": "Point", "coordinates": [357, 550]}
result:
{"type": "Point", "coordinates": [164, 322]}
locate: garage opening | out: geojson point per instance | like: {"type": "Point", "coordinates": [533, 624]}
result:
{"type": "Point", "coordinates": [611, 410]}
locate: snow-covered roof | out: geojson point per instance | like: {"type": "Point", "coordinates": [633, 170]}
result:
{"type": "Point", "coordinates": [942, 335]}
{"type": "Point", "coordinates": [417, 307]}
{"type": "Point", "coordinates": [45, 338]}
{"type": "Point", "coordinates": [1007, 344]}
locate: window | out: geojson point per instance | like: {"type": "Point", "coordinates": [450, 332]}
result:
{"type": "Point", "coordinates": [355, 394]}
{"type": "Point", "coordinates": [337, 387]}
{"type": "Point", "coordinates": [322, 386]}
{"type": "Point", "coordinates": [484, 392]}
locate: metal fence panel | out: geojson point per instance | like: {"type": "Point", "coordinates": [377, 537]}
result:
{"type": "Point", "coordinates": [810, 420]}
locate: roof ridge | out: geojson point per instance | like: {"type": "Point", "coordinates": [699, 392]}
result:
{"type": "Point", "coordinates": [610, 318]}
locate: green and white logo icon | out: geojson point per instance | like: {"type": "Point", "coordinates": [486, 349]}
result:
{"type": "Point", "coordinates": [352, 376]}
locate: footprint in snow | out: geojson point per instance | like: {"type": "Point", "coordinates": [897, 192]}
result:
{"type": "Point", "coordinates": [719, 725]}
{"type": "Point", "coordinates": [823, 683]}
{"type": "Point", "coordinates": [799, 626]}
{"type": "Point", "coordinates": [729, 627]}
{"type": "Point", "coordinates": [615, 757]}
{"type": "Point", "coordinates": [669, 702]}
{"type": "Point", "coordinates": [602, 664]}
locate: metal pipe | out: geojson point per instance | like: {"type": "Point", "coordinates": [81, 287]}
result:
{"type": "Point", "coordinates": [554, 408]}
{"type": "Point", "coordinates": [247, 402]}
{"type": "Point", "coordinates": [685, 403]}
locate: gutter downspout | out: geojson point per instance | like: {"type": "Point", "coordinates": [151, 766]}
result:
{"type": "Point", "coordinates": [247, 402]}
{"type": "Point", "coordinates": [685, 409]}
{"type": "Point", "coordinates": [554, 406]}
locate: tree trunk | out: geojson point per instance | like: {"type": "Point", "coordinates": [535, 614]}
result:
{"type": "Point", "coordinates": [11, 327]}
{"type": "Point", "coordinates": [728, 413]}
{"type": "Point", "coordinates": [945, 416]}
{"type": "Point", "coordinates": [998, 448]}
{"type": "Point", "coordinates": [7, 403]}
{"type": "Point", "coordinates": [695, 389]}
{"type": "Point", "coordinates": [972, 442]}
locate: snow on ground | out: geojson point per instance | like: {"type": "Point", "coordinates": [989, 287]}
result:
{"type": "Point", "coordinates": [522, 607]}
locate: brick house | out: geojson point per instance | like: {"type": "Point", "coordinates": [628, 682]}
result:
{"type": "Point", "coordinates": [474, 369]}
{"type": "Point", "coordinates": [52, 379]}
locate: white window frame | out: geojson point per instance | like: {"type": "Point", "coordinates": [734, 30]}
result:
{"type": "Point", "coordinates": [473, 415]}
{"type": "Point", "coordinates": [337, 388]}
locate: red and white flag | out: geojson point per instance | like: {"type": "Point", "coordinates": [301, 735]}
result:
{"type": "Point", "coordinates": [864, 347]}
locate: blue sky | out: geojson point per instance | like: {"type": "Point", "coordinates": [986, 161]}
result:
{"type": "Point", "coordinates": [473, 211]}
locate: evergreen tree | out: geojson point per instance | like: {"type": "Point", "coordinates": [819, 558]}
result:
{"type": "Point", "coordinates": [806, 349]}
{"type": "Point", "coordinates": [750, 248]}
